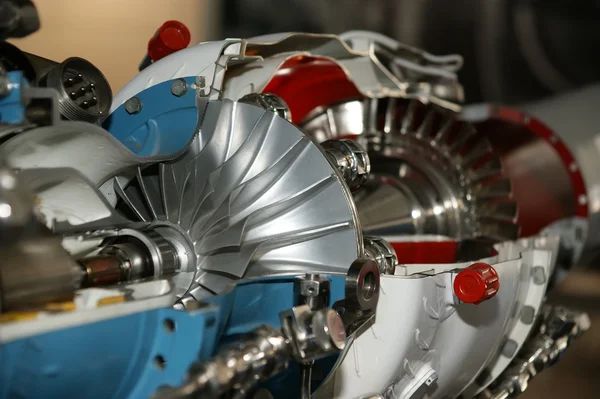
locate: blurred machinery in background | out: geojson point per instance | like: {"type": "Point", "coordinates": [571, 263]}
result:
{"type": "Point", "coordinates": [290, 215]}
{"type": "Point", "coordinates": [515, 51]}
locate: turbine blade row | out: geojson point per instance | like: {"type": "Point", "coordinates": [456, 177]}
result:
{"type": "Point", "coordinates": [395, 127]}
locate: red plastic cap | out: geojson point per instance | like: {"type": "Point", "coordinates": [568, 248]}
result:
{"type": "Point", "coordinates": [172, 36]}
{"type": "Point", "coordinates": [476, 283]}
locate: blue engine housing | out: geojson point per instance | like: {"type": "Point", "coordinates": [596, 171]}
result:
{"type": "Point", "coordinates": [133, 356]}
{"type": "Point", "coordinates": [163, 126]}
{"type": "Point", "coordinates": [128, 356]}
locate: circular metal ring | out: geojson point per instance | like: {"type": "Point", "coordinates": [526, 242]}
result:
{"type": "Point", "coordinates": [362, 284]}
{"type": "Point", "coordinates": [155, 254]}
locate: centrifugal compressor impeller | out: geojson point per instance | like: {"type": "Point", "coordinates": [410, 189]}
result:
{"type": "Point", "coordinates": [252, 196]}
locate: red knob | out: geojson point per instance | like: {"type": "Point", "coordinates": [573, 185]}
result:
{"type": "Point", "coordinates": [172, 36]}
{"type": "Point", "coordinates": [476, 283]}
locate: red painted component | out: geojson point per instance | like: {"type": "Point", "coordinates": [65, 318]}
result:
{"type": "Point", "coordinates": [425, 252]}
{"type": "Point", "coordinates": [172, 36]}
{"type": "Point", "coordinates": [306, 83]}
{"type": "Point", "coordinates": [547, 184]}
{"type": "Point", "coordinates": [477, 283]}
{"type": "Point", "coordinates": [540, 130]}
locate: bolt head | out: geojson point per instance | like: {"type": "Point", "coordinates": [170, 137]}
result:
{"type": "Point", "coordinates": [133, 106]}
{"type": "Point", "coordinates": [179, 87]}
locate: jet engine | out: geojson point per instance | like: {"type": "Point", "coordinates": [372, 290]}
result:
{"type": "Point", "coordinates": [290, 215]}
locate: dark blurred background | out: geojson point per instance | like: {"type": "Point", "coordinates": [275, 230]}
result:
{"type": "Point", "coordinates": [515, 51]}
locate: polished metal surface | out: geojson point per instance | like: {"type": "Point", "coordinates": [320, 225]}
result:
{"type": "Point", "coordinates": [382, 252]}
{"type": "Point", "coordinates": [269, 102]}
{"type": "Point", "coordinates": [550, 153]}
{"type": "Point", "coordinates": [131, 255]}
{"type": "Point", "coordinates": [179, 87]}
{"type": "Point", "coordinates": [262, 354]}
{"type": "Point", "coordinates": [102, 270]}
{"type": "Point", "coordinates": [430, 173]}
{"type": "Point", "coordinates": [540, 182]}
{"type": "Point", "coordinates": [351, 159]}
{"type": "Point", "coordinates": [362, 285]}
{"type": "Point", "coordinates": [312, 290]}
{"type": "Point", "coordinates": [313, 334]}
{"type": "Point", "coordinates": [252, 196]}
{"type": "Point", "coordinates": [357, 309]}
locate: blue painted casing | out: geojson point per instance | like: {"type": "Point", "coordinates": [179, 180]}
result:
{"type": "Point", "coordinates": [164, 125]}
{"type": "Point", "coordinates": [12, 109]}
{"type": "Point", "coordinates": [258, 303]}
{"type": "Point", "coordinates": [115, 358]}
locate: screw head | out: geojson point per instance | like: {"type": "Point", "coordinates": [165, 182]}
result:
{"type": "Point", "coordinates": [179, 87]}
{"type": "Point", "coordinates": [133, 106]}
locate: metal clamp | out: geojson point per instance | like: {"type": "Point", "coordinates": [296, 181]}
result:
{"type": "Point", "coordinates": [357, 309]}
{"type": "Point", "coordinates": [313, 290]}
